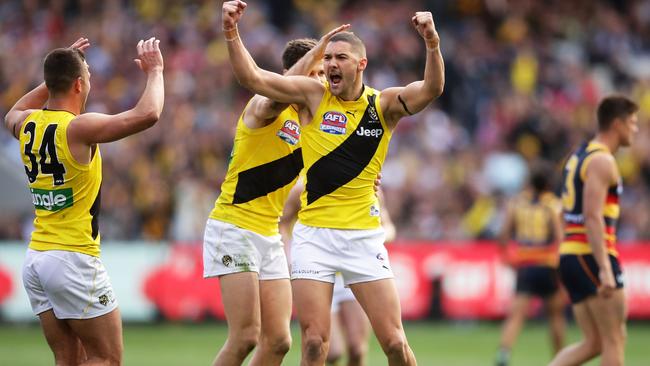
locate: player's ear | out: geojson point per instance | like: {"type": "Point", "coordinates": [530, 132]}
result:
{"type": "Point", "coordinates": [78, 84]}
{"type": "Point", "coordinates": [363, 63]}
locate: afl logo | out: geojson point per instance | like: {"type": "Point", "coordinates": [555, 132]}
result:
{"type": "Point", "coordinates": [334, 123]}
{"type": "Point", "coordinates": [290, 132]}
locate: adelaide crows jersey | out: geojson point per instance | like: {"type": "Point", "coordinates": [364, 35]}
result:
{"type": "Point", "coordinates": [575, 239]}
{"type": "Point", "coordinates": [533, 228]}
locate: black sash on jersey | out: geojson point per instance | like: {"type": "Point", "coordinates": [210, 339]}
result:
{"type": "Point", "coordinates": [266, 178]}
{"type": "Point", "coordinates": [348, 160]}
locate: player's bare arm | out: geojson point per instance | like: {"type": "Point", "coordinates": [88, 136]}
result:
{"type": "Point", "coordinates": [91, 128]}
{"type": "Point", "coordinates": [600, 175]}
{"type": "Point", "coordinates": [300, 90]}
{"type": "Point", "coordinates": [263, 110]}
{"type": "Point", "coordinates": [402, 101]}
{"type": "Point", "coordinates": [35, 99]}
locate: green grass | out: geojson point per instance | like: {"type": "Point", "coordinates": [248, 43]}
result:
{"type": "Point", "coordinates": [449, 344]}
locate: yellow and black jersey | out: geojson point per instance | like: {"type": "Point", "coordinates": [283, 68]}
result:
{"type": "Point", "coordinates": [264, 165]}
{"type": "Point", "coordinates": [65, 193]}
{"type": "Point", "coordinates": [533, 228]}
{"type": "Point", "coordinates": [575, 239]}
{"type": "Point", "coordinates": [344, 148]}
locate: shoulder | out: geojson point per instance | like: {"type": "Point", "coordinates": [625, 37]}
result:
{"type": "Point", "coordinates": [601, 165]}
{"type": "Point", "coordinates": [14, 121]}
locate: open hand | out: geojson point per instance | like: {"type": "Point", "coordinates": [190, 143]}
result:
{"type": "Point", "coordinates": [81, 44]}
{"type": "Point", "coordinates": [149, 56]}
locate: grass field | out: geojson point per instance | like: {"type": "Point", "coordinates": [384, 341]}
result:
{"type": "Point", "coordinates": [449, 344]}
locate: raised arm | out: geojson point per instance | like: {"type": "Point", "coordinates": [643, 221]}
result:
{"type": "Point", "coordinates": [284, 89]}
{"type": "Point", "coordinates": [402, 101]}
{"type": "Point", "coordinates": [35, 99]}
{"type": "Point", "coordinates": [600, 175]}
{"type": "Point", "coordinates": [263, 109]}
{"type": "Point", "coordinates": [92, 128]}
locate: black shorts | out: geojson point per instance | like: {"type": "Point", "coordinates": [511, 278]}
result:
{"type": "Point", "coordinates": [579, 275]}
{"type": "Point", "coordinates": [539, 281]}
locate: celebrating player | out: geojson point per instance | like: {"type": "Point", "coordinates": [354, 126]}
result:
{"type": "Point", "coordinates": [343, 147]}
{"type": "Point", "coordinates": [66, 283]}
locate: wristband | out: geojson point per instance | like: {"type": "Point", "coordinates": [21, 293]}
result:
{"type": "Point", "coordinates": [230, 34]}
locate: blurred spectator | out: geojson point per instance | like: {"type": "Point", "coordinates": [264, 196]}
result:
{"type": "Point", "coordinates": [523, 80]}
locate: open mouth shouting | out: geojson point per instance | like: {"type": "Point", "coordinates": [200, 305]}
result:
{"type": "Point", "coordinates": [335, 78]}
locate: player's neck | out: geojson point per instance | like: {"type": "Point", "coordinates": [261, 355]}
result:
{"type": "Point", "coordinates": [609, 140]}
{"type": "Point", "coordinates": [64, 103]}
{"type": "Point", "coordinates": [353, 93]}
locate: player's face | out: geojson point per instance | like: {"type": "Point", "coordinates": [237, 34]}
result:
{"type": "Point", "coordinates": [629, 126]}
{"type": "Point", "coordinates": [341, 66]}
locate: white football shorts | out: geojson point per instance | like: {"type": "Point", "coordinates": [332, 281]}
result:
{"type": "Point", "coordinates": [73, 285]}
{"type": "Point", "coordinates": [318, 253]}
{"type": "Point", "coordinates": [230, 249]}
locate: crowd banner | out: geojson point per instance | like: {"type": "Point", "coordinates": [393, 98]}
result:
{"type": "Point", "coordinates": [159, 280]}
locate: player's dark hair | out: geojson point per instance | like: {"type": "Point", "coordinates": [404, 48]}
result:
{"type": "Point", "coordinates": [613, 107]}
{"type": "Point", "coordinates": [352, 39]}
{"type": "Point", "coordinates": [61, 68]}
{"type": "Point", "coordinates": [295, 50]}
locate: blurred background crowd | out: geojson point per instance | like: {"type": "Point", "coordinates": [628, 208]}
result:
{"type": "Point", "coordinates": [523, 79]}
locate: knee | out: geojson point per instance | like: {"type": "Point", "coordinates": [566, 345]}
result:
{"type": "Point", "coordinates": [593, 346]}
{"type": "Point", "coordinates": [279, 345]}
{"type": "Point", "coordinates": [357, 351]}
{"type": "Point", "coordinates": [315, 347]}
{"type": "Point", "coordinates": [395, 346]}
{"type": "Point", "coordinates": [333, 356]}
{"type": "Point", "coordinates": [246, 339]}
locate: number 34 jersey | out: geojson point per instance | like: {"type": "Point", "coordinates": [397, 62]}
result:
{"type": "Point", "coordinates": [65, 193]}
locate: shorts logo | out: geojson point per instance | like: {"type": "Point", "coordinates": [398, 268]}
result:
{"type": "Point", "coordinates": [103, 300]}
{"type": "Point", "coordinates": [380, 257]}
{"type": "Point", "coordinates": [53, 200]}
{"type": "Point", "coordinates": [226, 260]}
{"type": "Point", "coordinates": [334, 123]}
{"type": "Point", "coordinates": [106, 298]}
{"type": "Point", "coordinates": [290, 132]}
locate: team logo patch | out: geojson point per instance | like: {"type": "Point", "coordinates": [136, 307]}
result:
{"type": "Point", "coordinates": [106, 298]}
{"type": "Point", "coordinates": [374, 118]}
{"type": "Point", "coordinates": [374, 211]}
{"type": "Point", "coordinates": [103, 300]}
{"type": "Point", "coordinates": [226, 260]}
{"type": "Point", "coordinates": [290, 132]}
{"type": "Point", "coordinates": [334, 123]}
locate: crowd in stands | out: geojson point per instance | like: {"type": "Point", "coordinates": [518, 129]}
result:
{"type": "Point", "coordinates": [523, 79]}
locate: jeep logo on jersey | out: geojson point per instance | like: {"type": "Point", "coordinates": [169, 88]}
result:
{"type": "Point", "coordinates": [54, 200]}
{"type": "Point", "coordinates": [290, 132]}
{"type": "Point", "coordinates": [334, 123]}
{"type": "Point", "coordinates": [370, 132]}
